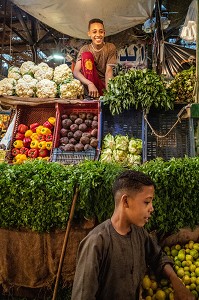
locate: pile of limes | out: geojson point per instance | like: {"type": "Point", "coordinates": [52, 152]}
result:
{"type": "Point", "coordinates": [186, 266]}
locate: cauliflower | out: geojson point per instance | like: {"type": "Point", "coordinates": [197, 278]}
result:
{"type": "Point", "coordinates": [7, 87]}
{"type": "Point", "coordinates": [71, 90]}
{"type": "Point", "coordinates": [27, 68]}
{"type": "Point", "coordinates": [43, 71]}
{"type": "Point", "coordinates": [46, 89]}
{"type": "Point", "coordinates": [14, 72]}
{"type": "Point", "coordinates": [26, 86]}
{"type": "Point", "coordinates": [62, 73]}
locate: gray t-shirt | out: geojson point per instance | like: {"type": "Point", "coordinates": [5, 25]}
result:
{"type": "Point", "coordinates": [111, 266]}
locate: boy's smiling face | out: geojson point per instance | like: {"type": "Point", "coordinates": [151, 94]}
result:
{"type": "Point", "coordinates": [96, 33]}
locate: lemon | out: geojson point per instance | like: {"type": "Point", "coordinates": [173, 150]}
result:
{"type": "Point", "coordinates": [164, 282]}
{"type": "Point", "coordinates": [150, 292]}
{"type": "Point", "coordinates": [192, 286]}
{"type": "Point", "coordinates": [196, 246]}
{"type": "Point", "coordinates": [193, 279]}
{"type": "Point", "coordinates": [184, 263]}
{"type": "Point", "coordinates": [154, 285]}
{"type": "Point", "coordinates": [192, 268]}
{"type": "Point", "coordinates": [177, 247]}
{"type": "Point", "coordinates": [191, 243]}
{"type": "Point", "coordinates": [146, 282]}
{"type": "Point", "coordinates": [195, 293]}
{"type": "Point", "coordinates": [194, 253]}
{"type": "Point", "coordinates": [160, 295]}
{"type": "Point", "coordinates": [174, 252]}
{"type": "Point", "coordinates": [186, 279]}
{"type": "Point", "coordinates": [189, 262]}
{"type": "Point", "coordinates": [196, 263]}
{"type": "Point", "coordinates": [178, 263]}
{"type": "Point", "coordinates": [197, 271]}
{"type": "Point", "coordinates": [181, 255]}
{"type": "Point", "coordinates": [189, 257]}
{"type": "Point", "coordinates": [180, 272]}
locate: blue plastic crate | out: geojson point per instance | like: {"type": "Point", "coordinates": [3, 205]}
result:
{"type": "Point", "coordinates": [72, 158]}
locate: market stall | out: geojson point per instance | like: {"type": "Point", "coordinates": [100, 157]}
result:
{"type": "Point", "coordinates": [59, 142]}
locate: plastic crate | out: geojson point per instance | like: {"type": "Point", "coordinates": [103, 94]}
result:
{"type": "Point", "coordinates": [129, 122]}
{"type": "Point", "coordinates": [176, 144]}
{"type": "Point", "coordinates": [32, 114]}
{"type": "Point", "coordinates": [71, 157]}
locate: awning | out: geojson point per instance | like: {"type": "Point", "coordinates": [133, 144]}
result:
{"type": "Point", "coordinates": [71, 17]}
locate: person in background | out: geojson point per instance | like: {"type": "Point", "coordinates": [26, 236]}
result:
{"type": "Point", "coordinates": [113, 258]}
{"type": "Point", "coordinates": [93, 66]}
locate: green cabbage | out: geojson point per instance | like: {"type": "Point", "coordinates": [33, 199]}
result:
{"type": "Point", "coordinates": [122, 142]}
{"type": "Point", "coordinates": [133, 159]}
{"type": "Point", "coordinates": [135, 146]}
{"type": "Point", "coordinates": [120, 156]}
{"type": "Point", "coordinates": [109, 141]}
{"type": "Point", "coordinates": [106, 155]}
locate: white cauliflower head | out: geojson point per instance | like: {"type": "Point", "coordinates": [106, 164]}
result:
{"type": "Point", "coordinates": [43, 71]}
{"type": "Point", "coordinates": [14, 72]}
{"type": "Point", "coordinates": [27, 67]}
{"type": "Point", "coordinates": [62, 73]}
{"type": "Point", "coordinates": [26, 86]}
{"type": "Point", "coordinates": [7, 87]}
{"type": "Point", "coordinates": [71, 90]}
{"type": "Point", "coordinates": [46, 89]}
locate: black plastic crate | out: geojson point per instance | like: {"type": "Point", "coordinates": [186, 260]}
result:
{"type": "Point", "coordinates": [176, 144]}
{"type": "Point", "coordinates": [129, 122]}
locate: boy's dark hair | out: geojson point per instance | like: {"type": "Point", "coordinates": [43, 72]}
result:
{"type": "Point", "coordinates": [92, 21]}
{"type": "Point", "coordinates": [131, 180]}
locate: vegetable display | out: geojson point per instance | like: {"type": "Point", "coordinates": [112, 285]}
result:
{"type": "Point", "coordinates": [182, 86]}
{"type": "Point", "coordinates": [137, 88]}
{"type": "Point", "coordinates": [41, 81]}
{"type": "Point", "coordinates": [37, 194]}
{"type": "Point", "coordinates": [121, 149]}
{"type": "Point", "coordinates": [79, 131]}
{"type": "Point", "coordinates": [7, 86]}
{"type": "Point", "coordinates": [34, 141]}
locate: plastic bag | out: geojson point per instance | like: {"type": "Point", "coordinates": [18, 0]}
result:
{"type": "Point", "coordinates": [188, 32]}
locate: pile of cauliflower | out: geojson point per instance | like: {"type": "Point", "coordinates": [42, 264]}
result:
{"type": "Point", "coordinates": [42, 81]}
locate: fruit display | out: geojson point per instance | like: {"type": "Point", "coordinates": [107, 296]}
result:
{"type": "Point", "coordinates": [121, 149]}
{"type": "Point", "coordinates": [78, 131]}
{"type": "Point", "coordinates": [41, 81]}
{"type": "Point", "coordinates": [186, 266]}
{"type": "Point", "coordinates": [34, 141]}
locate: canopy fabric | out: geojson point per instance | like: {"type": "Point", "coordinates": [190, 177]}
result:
{"type": "Point", "coordinates": [71, 17]}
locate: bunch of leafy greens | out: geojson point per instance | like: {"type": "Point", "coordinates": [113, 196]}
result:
{"type": "Point", "coordinates": [182, 86]}
{"type": "Point", "coordinates": [37, 195]}
{"type": "Point", "coordinates": [139, 89]}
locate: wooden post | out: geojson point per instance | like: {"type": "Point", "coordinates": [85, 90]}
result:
{"type": "Point", "coordinates": [65, 243]}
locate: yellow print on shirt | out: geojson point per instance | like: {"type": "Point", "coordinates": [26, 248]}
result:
{"type": "Point", "coordinates": [89, 64]}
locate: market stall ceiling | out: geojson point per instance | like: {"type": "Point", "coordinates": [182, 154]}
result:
{"type": "Point", "coordinates": [71, 17]}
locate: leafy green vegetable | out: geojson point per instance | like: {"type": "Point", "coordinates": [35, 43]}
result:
{"type": "Point", "coordinates": [139, 89]}
{"type": "Point", "coordinates": [182, 86]}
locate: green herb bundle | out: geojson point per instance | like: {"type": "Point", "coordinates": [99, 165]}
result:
{"type": "Point", "coordinates": [139, 89]}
